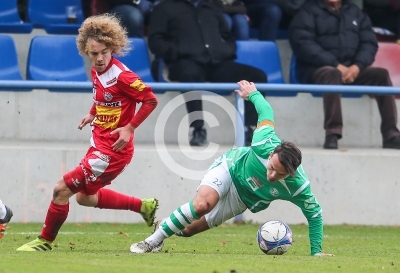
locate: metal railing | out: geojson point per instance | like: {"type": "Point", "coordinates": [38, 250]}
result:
{"type": "Point", "coordinates": [218, 88]}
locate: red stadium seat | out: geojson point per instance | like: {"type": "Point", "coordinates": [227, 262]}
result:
{"type": "Point", "coordinates": [388, 56]}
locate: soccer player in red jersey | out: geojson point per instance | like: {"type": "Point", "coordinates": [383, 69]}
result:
{"type": "Point", "coordinates": [116, 92]}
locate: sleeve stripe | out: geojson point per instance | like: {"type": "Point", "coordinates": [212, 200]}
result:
{"type": "Point", "coordinates": [266, 123]}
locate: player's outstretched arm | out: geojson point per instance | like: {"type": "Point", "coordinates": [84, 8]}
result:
{"type": "Point", "coordinates": [248, 91]}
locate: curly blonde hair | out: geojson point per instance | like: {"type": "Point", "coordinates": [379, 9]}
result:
{"type": "Point", "coordinates": [104, 28]}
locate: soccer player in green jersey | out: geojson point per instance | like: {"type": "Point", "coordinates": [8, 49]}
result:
{"type": "Point", "coordinates": [245, 178]}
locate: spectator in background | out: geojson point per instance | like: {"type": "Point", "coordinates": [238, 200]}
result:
{"type": "Point", "coordinates": [22, 4]}
{"type": "Point", "coordinates": [334, 43]}
{"type": "Point", "coordinates": [384, 14]}
{"type": "Point", "coordinates": [236, 17]}
{"type": "Point", "coordinates": [134, 14]}
{"type": "Point", "coordinates": [264, 15]}
{"type": "Point", "coordinates": [289, 9]}
{"type": "Point", "coordinates": [195, 42]}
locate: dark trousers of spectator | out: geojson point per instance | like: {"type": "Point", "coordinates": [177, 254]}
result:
{"type": "Point", "coordinates": [266, 16]}
{"type": "Point", "coordinates": [224, 72]}
{"type": "Point", "coordinates": [373, 76]}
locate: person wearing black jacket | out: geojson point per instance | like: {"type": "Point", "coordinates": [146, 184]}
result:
{"type": "Point", "coordinates": [195, 42]}
{"type": "Point", "coordinates": [334, 43]}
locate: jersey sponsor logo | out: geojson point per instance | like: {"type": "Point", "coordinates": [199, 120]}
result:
{"type": "Point", "coordinates": [310, 203]}
{"type": "Point", "coordinates": [138, 85]}
{"type": "Point", "coordinates": [107, 96]}
{"type": "Point", "coordinates": [103, 157]}
{"type": "Point", "coordinates": [274, 192]}
{"type": "Point", "coordinates": [111, 81]}
{"type": "Point", "coordinates": [108, 104]}
{"type": "Point", "coordinates": [257, 181]}
{"type": "Point", "coordinates": [107, 118]}
{"type": "Point", "coordinates": [254, 183]}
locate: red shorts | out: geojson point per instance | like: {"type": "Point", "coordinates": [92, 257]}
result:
{"type": "Point", "coordinates": [95, 171]}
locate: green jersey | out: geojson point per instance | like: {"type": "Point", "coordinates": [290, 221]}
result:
{"type": "Point", "coordinates": [248, 169]}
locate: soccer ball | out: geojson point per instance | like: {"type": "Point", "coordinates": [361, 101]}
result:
{"type": "Point", "coordinates": [274, 237]}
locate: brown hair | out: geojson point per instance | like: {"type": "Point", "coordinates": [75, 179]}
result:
{"type": "Point", "coordinates": [289, 156]}
{"type": "Point", "coordinates": [104, 28]}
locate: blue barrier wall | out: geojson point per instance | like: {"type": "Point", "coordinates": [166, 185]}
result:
{"type": "Point", "coordinates": [220, 88]}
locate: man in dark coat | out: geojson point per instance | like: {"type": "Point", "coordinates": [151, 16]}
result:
{"type": "Point", "coordinates": [193, 39]}
{"type": "Point", "coordinates": [334, 43]}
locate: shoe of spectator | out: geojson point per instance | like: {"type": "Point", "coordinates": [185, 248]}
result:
{"type": "Point", "coordinates": [331, 142]}
{"type": "Point", "coordinates": [392, 143]}
{"type": "Point", "coordinates": [199, 137]}
{"type": "Point", "coordinates": [5, 220]}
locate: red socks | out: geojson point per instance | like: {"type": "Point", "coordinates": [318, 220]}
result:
{"type": "Point", "coordinates": [109, 199]}
{"type": "Point", "coordinates": [55, 218]}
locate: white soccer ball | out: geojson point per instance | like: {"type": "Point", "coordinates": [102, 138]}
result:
{"type": "Point", "coordinates": [274, 237]}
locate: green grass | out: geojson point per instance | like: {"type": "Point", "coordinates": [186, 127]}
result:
{"type": "Point", "coordinates": [104, 247]}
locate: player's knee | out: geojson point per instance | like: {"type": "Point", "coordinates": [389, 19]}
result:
{"type": "Point", "coordinates": [186, 233]}
{"type": "Point", "coordinates": [86, 200]}
{"type": "Point", "coordinates": [202, 207]}
{"type": "Point", "coordinates": [80, 199]}
{"type": "Point", "coordinates": [61, 193]}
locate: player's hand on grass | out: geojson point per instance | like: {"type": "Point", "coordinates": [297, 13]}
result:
{"type": "Point", "coordinates": [86, 119]}
{"type": "Point", "coordinates": [324, 255]}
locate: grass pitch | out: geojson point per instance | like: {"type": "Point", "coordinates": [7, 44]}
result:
{"type": "Point", "coordinates": [104, 247]}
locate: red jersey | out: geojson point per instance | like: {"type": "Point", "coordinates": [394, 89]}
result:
{"type": "Point", "coordinates": [116, 91]}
